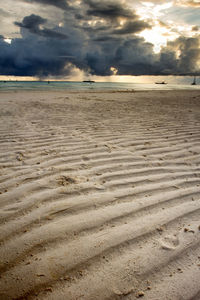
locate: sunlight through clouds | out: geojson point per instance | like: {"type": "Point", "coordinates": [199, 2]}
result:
{"type": "Point", "coordinates": [7, 40]}
{"type": "Point", "coordinates": [158, 36]}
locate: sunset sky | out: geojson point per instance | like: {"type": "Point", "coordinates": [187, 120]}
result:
{"type": "Point", "coordinates": [70, 39]}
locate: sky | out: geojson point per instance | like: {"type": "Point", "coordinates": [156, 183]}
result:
{"type": "Point", "coordinates": [101, 39]}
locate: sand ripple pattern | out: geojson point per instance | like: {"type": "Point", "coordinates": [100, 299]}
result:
{"type": "Point", "coordinates": [100, 195]}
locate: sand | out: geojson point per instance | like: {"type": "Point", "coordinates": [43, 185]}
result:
{"type": "Point", "coordinates": [100, 195]}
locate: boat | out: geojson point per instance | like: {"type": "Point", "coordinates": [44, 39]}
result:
{"type": "Point", "coordinates": [89, 81]}
{"type": "Point", "coordinates": [161, 82]}
{"type": "Point", "coordinates": [194, 81]}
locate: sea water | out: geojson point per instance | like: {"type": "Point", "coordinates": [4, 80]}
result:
{"type": "Point", "coordinates": [70, 85]}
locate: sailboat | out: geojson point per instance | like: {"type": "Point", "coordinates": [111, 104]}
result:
{"type": "Point", "coordinates": [194, 81]}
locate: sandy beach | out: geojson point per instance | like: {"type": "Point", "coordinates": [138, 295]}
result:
{"type": "Point", "coordinates": [100, 195]}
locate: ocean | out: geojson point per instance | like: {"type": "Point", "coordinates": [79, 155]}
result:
{"type": "Point", "coordinates": [70, 85]}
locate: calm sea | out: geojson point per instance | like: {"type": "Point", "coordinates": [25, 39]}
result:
{"type": "Point", "coordinates": [69, 85]}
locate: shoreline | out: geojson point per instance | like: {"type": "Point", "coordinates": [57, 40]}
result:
{"type": "Point", "coordinates": [94, 87]}
{"type": "Point", "coordinates": [98, 91]}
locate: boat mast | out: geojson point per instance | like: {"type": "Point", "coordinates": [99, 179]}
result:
{"type": "Point", "coordinates": [194, 81]}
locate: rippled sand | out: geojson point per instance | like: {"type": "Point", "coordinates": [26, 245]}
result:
{"type": "Point", "coordinates": [100, 195]}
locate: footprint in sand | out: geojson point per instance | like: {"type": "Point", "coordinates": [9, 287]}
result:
{"type": "Point", "coordinates": [169, 242]}
{"type": "Point", "coordinates": [65, 180]}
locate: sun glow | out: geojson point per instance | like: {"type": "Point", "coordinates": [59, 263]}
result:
{"type": "Point", "coordinates": [113, 70]}
{"type": "Point", "coordinates": [158, 36]}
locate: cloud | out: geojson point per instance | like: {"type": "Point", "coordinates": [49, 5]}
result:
{"type": "Point", "coordinates": [31, 57]}
{"type": "Point", "coordinates": [58, 3]}
{"type": "Point", "coordinates": [33, 22]}
{"type": "Point", "coordinates": [182, 16]}
{"type": "Point", "coordinates": [42, 52]}
{"type": "Point", "coordinates": [195, 28]}
{"type": "Point", "coordinates": [194, 3]}
{"type": "Point", "coordinates": [163, 24]}
{"type": "Point", "coordinates": [186, 63]}
{"type": "Point", "coordinates": [132, 27]}
{"type": "Point", "coordinates": [108, 9]}
{"type": "Point", "coordinates": [96, 37]}
{"type": "Point", "coordinates": [136, 57]}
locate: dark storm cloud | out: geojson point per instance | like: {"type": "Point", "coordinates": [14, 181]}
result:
{"type": "Point", "coordinates": [41, 52]}
{"type": "Point", "coordinates": [35, 57]}
{"type": "Point", "coordinates": [135, 56]}
{"type": "Point", "coordinates": [108, 9]}
{"type": "Point", "coordinates": [107, 39]}
{"type": "Point", "coordinates": [132, 27]}
{"type": "Point", "coordinates": [189, 55]}
{"type": "Point", "coordinates": [95, 42]}
{"type": "Point", "coordinates": [58, 3]}
{"type": "Point", "coordinates": [33, 22]}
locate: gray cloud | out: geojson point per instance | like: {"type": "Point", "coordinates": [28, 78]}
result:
{"type": "Point", "coordinates": [108, 9]}
{"type": "Point", "coordinates": [32, 24]}
{"type": "Point", "coordinates": [189, 55]}
{"type": "Point", "coordinates": [58, 3]}
{"type": "Point", "coordinates": [34, 57]}
{"type": "Point", "coordinates": [132, 27]}
{"type": "Point", "coordinates": [135, 56]}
